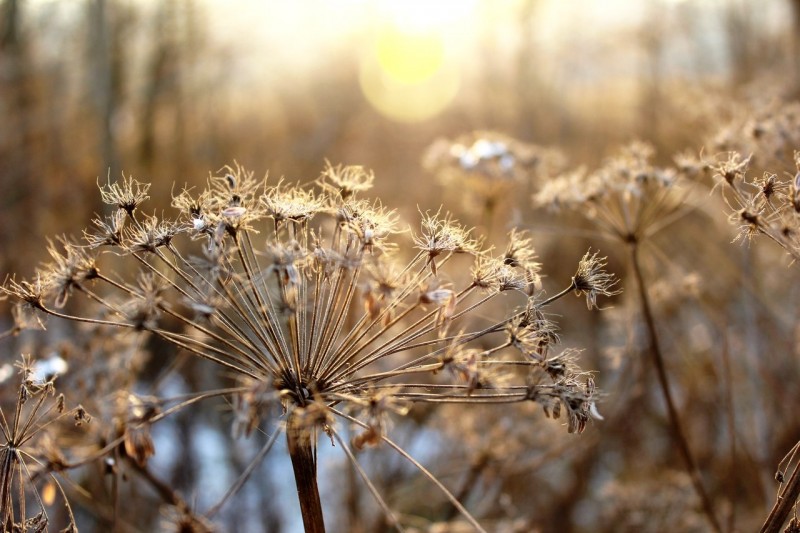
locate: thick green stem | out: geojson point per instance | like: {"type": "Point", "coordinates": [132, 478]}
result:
{"type": "Point", "coordinates": [301, 450]}
{"type": "Point", "coordinates": [675, 422]}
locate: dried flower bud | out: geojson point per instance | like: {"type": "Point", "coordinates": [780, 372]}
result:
{"type": "Point", "coordinates": [591, 279]}
{"type": "Point", "coordinates": [346, 180]}
{"type": "Point", "coordinates": [126, 195]}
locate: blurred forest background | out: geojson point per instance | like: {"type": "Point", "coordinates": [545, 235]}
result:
{"type": "Point", "coordinates": [170, 91]}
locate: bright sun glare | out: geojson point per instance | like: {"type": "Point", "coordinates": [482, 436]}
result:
{"type": "Point", "coordinates": [409, 73]}
{"type": "Point", "coordinates": [410, 57]}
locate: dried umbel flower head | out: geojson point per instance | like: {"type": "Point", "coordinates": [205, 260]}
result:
{"type": "Point", "coordinates": [768, 205]}
{"type": "Point", "coordinates": [126, 195]}
{"type": "Point", "coordinates": [305, 295]}
{"type": "Point", "coordinates": [486, 155]}
{"type": "Point", "coordinates": [484, 167]}
{"type": "Point", "coordinates": [28, 455]}
{"type": "Point", "coordinates": [69, 269]}
{"type": "Point", "coordinates": [30, 297]}
{"type": "Point", "coordinates": [627, 197]}
{"type": "Point", "coordinates": [346, 181]}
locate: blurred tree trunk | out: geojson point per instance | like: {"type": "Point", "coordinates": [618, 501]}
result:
{"type": "Point", "coordinates": [160, 62]}
{"type": "Point", "coordinates": [176, 38]}
{"type": "Point", "coordinates": [795, 52]}
{"type": "Point", "coordinates": [187, 54]}
{"type": "Point", "coordinates": [104, 92]}
{"type": "Point", "coordinates": [740, 39]}
{"type": "Point", "coordinates": [17, 106]}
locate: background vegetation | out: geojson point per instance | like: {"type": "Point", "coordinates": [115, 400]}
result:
{"type": "Point", "coordinates": [169, 92]}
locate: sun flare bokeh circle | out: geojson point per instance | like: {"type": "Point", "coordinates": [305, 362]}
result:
{"type": "Point", "coordinates": [409, 73]}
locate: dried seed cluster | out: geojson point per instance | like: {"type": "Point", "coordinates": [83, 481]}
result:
{"type": "Point", "coordinates": [311, 299]}
{"type": "Point", "coordinates": [768, 205]}
{"type": "Point", "coordinates": [627, 197]}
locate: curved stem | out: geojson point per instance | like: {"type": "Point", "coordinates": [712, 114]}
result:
{"type": "Point", "coordinates": [674, 420]}
{"type": "Point", "coordinates": [304, 464]}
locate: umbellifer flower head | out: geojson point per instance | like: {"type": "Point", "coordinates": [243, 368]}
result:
{"type": "Point", "coordinates": [267, 281]}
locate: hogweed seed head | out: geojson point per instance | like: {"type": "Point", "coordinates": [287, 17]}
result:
{"type": "Point", "coordinates": [275, 312]}
{"type": "Point", "coordinates": [109, 230]}
{"type": "Point", "coordinates": [310, 297]}
{"type": "Point", "coordinates": [627, 197]}
{"type": "Point", "coordinates": [732, 169]}
{"type": "Point", "coordinates": [284, 204]}
{"type": "Point", "coordinates": [488, 164]}
{"type": "Point", "coordinates": [68, 270]}
{"type": "Point", "coordinates": [150, 234]}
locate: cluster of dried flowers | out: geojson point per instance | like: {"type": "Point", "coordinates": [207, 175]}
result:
{"type": "Point", "coordinates": [757, 168]}
{"type": "Point", "coordinates": [755, 162]}
{"type": "Point", "coordinates": [490, 158]}
{"type": "Point", "coordinates": [767, 205]}
{"type": "Point", "coordinates": [627, 198]}
{"type": "Point", "coordinates": [305, 297]}
{"type": "Point", "coordinates": [30, 451]}
{"type": "Point", "coordinates": [489, 169]}
{"type": "Point", "coordinates": [769, 132]}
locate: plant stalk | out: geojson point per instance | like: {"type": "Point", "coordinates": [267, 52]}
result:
{"type": "Point", "coordinates": [304, 464]}
{"type": "Point", "coordinates": [675, 422]}
{"type": "Point", "coordinates": [784, 504]}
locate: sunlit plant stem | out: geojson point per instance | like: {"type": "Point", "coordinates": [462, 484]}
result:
{"type": "Point", "coordinates": [658, 360]}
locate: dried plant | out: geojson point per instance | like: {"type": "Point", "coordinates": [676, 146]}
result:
{"type": "Point", "coordinates": [306, 297]}
{"type": "Point", "coordinates": [629, 199]}
{"type": "Point", "coordinates": [764, 144]}
{"type": "Point", "coordinates": [30, 457]}
{"type": "Point", "coordinates": [487, 170]}
{"type": "Point", "coordinates": [768, 205]}
{"type": "Point", "coordinates": [770, 132]}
